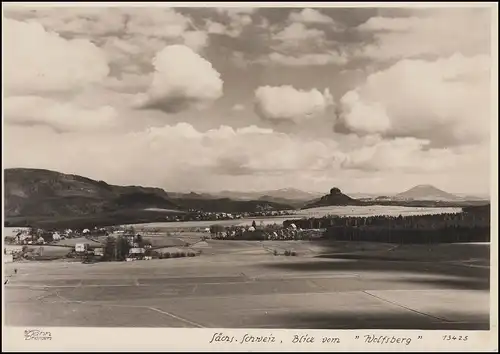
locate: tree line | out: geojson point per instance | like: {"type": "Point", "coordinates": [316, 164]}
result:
{"type": "Point", "coordinates": [473, 225]}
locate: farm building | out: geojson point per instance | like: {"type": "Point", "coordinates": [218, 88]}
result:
{"type": "Point", "coordinates": [136, 251]}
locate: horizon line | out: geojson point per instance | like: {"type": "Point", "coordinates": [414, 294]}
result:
{"type": "Point", "coordinates": [197, 191]}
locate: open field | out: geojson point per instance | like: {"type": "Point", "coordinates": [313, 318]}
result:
{"type": "Point", "coordinates": [239, 284]}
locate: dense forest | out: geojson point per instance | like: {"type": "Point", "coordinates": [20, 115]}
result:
{"type": "Point", "coordinates": [472, 225]}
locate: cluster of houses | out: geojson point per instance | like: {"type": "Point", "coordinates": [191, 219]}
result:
{"type": "Point", "coordinates": [32, 236]}
{"type": "Point", "coordinates": [137, 248]}
{"type": "Point", "coordinates": [213, 216]}
{"type": "Point", "coordinates": [269, 232]}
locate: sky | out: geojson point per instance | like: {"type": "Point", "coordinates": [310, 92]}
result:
{"type": "Point", "coordinates": [371, 100]}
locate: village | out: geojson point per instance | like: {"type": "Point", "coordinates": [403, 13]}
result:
{"type": "Point", "coordinates": [125, 243]}
{"type": "Point", "coordinates": [194, 215]}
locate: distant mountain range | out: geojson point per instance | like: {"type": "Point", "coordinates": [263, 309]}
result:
{"type": "Point", "coordinates": [288, 196]}
{"type": "Point", "coordinates": [418, 196]}
{"type": "Point", "coordinates": [284, 194]}
{"type": "Point", "coordinates": [32, 195]}
{"type": "Point", "coordinates": [294, 196]}
{"type": "Point", "coordinates": [37, 195]}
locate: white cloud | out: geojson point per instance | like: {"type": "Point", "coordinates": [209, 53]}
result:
{"type": "Point", "coordinates": [311, 59]}
{"type": "Point", "coordinates": [238, 24]}
{"type": "Point", "coordinates": [401, 154]}
{"type": "Point", "coordinates": [288, 103]}
{"type": "Point", "coordinates": [364, 117]}
{"type": "Point", "coordinates": [215, 27]}
{"type": "Point", "coordinates": [238, 107]}
{"type": "Point", "coordinates": [297, 44]}
{"type": "Point", "coordinates": [129, 36]}
{"type": "Point", "coordinates": [36, 60]}
{"type": "Point", "coordinates": [250, 156]}
{"type": "Point", "coordinates": [298, 32]}
{"type": "Point", "coordinates": [438, 32]}
{"type": "Point", "coordinates": [156, 22]}
{"type": "Point", "coordinates": [445, 101]}
{"type": "Point", "coordinates": [239, 19]}
{"type": "Point", "coordinates": [182, 79]}
{"type": "Point", "coordinates": [62, 116]}
{"type": "Point", "coordinates": [414, 105]}
{"type": "Point", "coordinates": [309, 15]}
{"type": "Point", "coordinates": [196, 40]}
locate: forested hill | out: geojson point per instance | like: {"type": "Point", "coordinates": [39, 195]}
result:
{"type": "Point", "coordinates": [37, 194]}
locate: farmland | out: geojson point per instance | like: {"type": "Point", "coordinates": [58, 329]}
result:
{"type": "Point", "coordinates": [243, 284]}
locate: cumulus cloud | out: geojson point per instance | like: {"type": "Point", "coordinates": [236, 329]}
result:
{"type": "Point", "coordinates": [298, 32]}
{"type": "Point", "coordinates": [151, 29]}
{"type": "Point", "coordinates": [61, 116]}
{"type": "Point", "coordinates": [196, 40]}
{"type": "Point", "coordinates": [415, 120]}
{"type": "Point", "coordinates": [298, 45]}
{"type": "Point", "coordinates": [182, 80]}
{"type": "Point", "coordinates": [129, 37]}
{"type": "Point", "coordinates": [236, 19]}
{"type": "Point", "coordinates": [309, 16]}
{"type": "Point", "coordinates": [238, 24]}
{"type": "Point", "coordinates": [435, 32]}
{"type": "Point", "coordinates": [156, 22]}
{"type": "Point", "coordinates": [36, 60]}
{"type": "Point", "coordinates": [288, 103]}
{"type": "Point", "coordinates": [215, 27]}
{"type": "Point", "coordinates": [400, 154]}
{"type": "Point", "coordinates": [364, 117]}
{"type": "Point", "coordinates": [446, 101]}
{"type": "Point", "coordinates": [249, 156]}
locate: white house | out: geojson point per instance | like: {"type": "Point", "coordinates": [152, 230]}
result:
{"type": "Point", "coordinates": [81, 247]}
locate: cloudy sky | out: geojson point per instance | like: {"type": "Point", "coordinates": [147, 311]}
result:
{"type": "Point", "coordinates": [206, 99]}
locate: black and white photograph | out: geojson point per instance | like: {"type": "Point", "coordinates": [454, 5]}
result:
{"type": "Point", "coordinates": [248, 166]}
